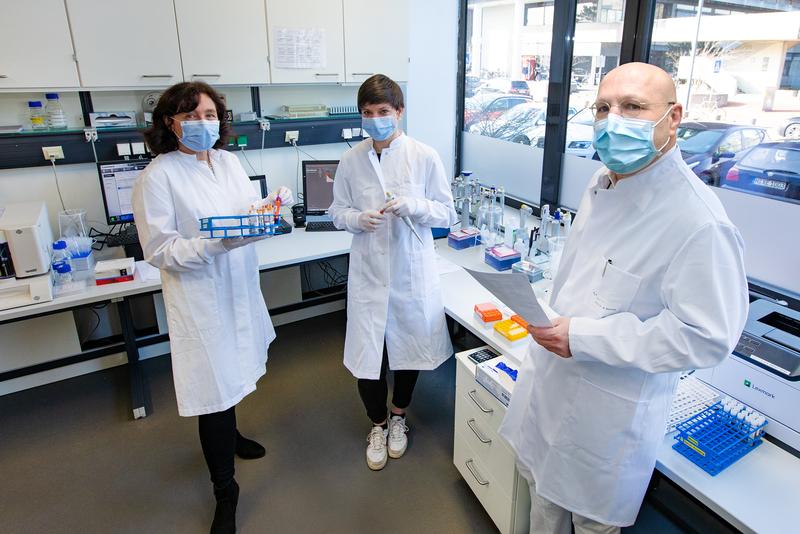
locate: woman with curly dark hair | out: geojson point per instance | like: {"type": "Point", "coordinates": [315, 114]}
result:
{"type": "Point", "coordinates": [218, 323]}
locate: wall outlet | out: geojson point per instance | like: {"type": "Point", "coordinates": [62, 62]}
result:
{"type": "Point", "coordinates": [53, 152]}
{"type": "Point", "coordinates": [123, 149]}
{"type": "Point", "coordinates": [292, 135]}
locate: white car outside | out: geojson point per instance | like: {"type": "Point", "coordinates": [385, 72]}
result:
{"type": "Point", "coordinates": [580, 135]}
{"type": "Point", "coordinates": [520, 124]}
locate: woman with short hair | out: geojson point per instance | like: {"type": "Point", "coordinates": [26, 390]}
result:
{"type": "Point", "coordinates": [389, 191]}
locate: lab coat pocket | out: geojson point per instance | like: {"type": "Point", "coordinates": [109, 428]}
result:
{"type": "Point", "coordinates": [197, 309]}
{"type": "Point", "coordinates": [603, 426]}
{"type": "Point", "coordinates": [361, 279]}
{"type": "Point", "coordinates": [614, 290]}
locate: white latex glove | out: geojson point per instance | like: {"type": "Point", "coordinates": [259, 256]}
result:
{"type": "Point", "coordinates": [402, 207]}
{"type": "Point", "coordinates": [369, 221]}
{"type": "Point", "coordinates": [231, 243]}
{"type": "Point", "coordinates": [285, 195]}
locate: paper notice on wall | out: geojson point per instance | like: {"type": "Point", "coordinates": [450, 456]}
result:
{"type": "Point", "coordinates": [300, 48]}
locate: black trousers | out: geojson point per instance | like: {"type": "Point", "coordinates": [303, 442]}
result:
{"type": "Point", "coordinates": [374, 392]}
{"type": "Point", "coordinates": [218, 439]}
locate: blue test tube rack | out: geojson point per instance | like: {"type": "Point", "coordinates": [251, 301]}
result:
{"type": "Point", "coordinates": [714, 439]}
{"type": "Point", "coordinates": [231, 226]}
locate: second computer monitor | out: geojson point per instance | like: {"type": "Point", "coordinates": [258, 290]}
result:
{"type": "Point", "coordinates": [116, 181]}
{"type": "Point", "coordinates": [318, 176]}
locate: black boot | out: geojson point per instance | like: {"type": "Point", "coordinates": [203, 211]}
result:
{"type": "Point", "coordinates": [247, 449]}
{"type": "Point", "coordinates": [225, 513]}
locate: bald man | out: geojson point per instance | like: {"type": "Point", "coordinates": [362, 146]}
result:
{"type": "Point", "coordinates": [651, 283]}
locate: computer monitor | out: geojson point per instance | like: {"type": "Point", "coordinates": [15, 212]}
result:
{"type": "Point", "coordinates": [259, 183]}
{"type": "Point", "coordinates": [318, 176]}
{"type": "Point", "coordinates": [116, 182]}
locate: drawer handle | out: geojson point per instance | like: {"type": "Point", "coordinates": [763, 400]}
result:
{"type": "Point", "coordinates": [3, 75]}
{"type": "Point", "coordinates": [478, 478]}
{"type": "Point", "coordinates": [157, 75]}
{"type": "Point", "coordinates": [326, 74]}
{"type": "Point", "coordinates": [473, 395]}
{"type": "Point", "coordinates": [363, 74]}
{"type": "Point", "coordinates": [206, 75]}
{"type": "Point", "coordinates": [479, 435]}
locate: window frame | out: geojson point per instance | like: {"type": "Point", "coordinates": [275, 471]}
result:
{"type": "Point", "coordinates": [638, 18]}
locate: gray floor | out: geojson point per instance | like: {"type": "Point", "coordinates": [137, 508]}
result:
{"type": "Point", "coordinates": [71, 459]}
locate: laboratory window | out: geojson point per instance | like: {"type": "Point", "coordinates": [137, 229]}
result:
{"type": "Point", "coordinates": [736, 67]}
{"type": "Point", "coordinates": [507, 61]}
{"type": "Point", "coordinates": [597, 45]}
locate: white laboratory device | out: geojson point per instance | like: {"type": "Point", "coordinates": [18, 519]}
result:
{"type": "Point", "coordinates": [27, 229]}
{"type": "Point", "coordinates": [17, 292]}
{"type": "Point", "coordinates": [29, 237]}
{"type": "Point", "coordinates": [764, 369]}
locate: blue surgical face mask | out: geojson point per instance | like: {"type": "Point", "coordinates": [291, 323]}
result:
{"type": "Point", "coordinates": [626, 145]}
{"type": "Point", "coordinates": [199, 135]}
{"type": "Point", "coordinates": [380, 128]}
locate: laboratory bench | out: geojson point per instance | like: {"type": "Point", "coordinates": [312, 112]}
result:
{"type": "Point", "coordinates": [294, 249]}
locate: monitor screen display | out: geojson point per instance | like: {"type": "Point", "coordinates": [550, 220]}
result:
{"type": "Point", "coordinates": [117, 179]}
{"type": "Point", "coordinates": [318, 179]}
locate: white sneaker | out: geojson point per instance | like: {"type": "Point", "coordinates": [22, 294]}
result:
{"type": "Point", "coordinates": [376, 450]}
{"type": "Point", "coordinates": [398, 441]}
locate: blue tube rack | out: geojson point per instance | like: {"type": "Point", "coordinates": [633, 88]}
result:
{"type": "Point", "coordinates": [228, 226]}
{"type": "Point", "coordinates": [715, 439]}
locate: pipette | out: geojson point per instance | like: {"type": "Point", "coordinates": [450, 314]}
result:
{"type": "Point", "coordinates": [407, 220]}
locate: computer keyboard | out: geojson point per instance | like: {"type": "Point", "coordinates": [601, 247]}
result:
{"type": "Point", "coordinates": [126, 236]}
{"type": "Point", "coordinates": [321, 226]}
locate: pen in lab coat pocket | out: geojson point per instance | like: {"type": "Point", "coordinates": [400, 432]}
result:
{"type": "Point", "coordinates": [609, 262]}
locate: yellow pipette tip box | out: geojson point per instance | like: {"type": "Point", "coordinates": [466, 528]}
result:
{"type": "Point", "coordinates": [510, 330]}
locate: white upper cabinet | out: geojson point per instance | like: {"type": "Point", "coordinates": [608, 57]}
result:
{"type": "Point", "coordinates": [376, 39]}
{"type": "Point", "coordinates": [228, 47]}
{"type": "Point", "coordinates": [35, 46]}
{"type": "Point", "coordinates": [305, 41]}
{"type": "Point", "coordinates": [121, 43]}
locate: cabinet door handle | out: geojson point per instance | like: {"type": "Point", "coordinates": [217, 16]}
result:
{"type": "Point", "coordinates": [479, 435]}
{"type": "Point", "coordinates": [3, 75]}
{"type": "Point", "coordinates": [363, 73]}
{"type": "Point", "coordinates": [478, 478]}
{"type": "Point", "coordinates": [206, 75]}
{"type": "Point", "coordinates": [472, 395]}
{"type": "Point", "coordinates": [326, 74]}
{"type": "Point", "coordinates": [157, 75]}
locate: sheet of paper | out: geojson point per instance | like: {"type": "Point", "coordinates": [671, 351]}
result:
{"type": "Point", "coordinates": [515, 291]}
{"type": "Point", "coordinates": [300, 48]}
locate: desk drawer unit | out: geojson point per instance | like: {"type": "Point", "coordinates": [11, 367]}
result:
{"type": "Point", "coordinates": [483, 458]}
{"type": "Point", "coordinates": [494, 452]}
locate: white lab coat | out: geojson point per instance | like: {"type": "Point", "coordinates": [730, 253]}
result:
{"type": "Point", "coordinates": [393, 284]}
{"type": "Point", "coordinates": [219, 327]}
{"type": "Point", "coordinates": [653, 278]}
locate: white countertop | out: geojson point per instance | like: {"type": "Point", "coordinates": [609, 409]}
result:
{"type": "Point", "coordinates": [280, 251]}
{"type": "Point", "coordinates": [756, 494]}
